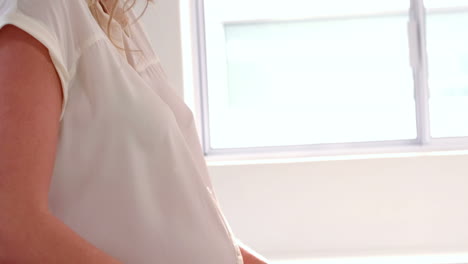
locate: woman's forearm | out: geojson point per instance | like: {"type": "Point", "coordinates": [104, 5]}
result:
{"type": "Point", "coordinates": [42, 238]}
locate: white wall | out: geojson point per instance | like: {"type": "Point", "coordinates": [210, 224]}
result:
{"type": "Point", "coordinates": [408, 205]}
{"type": "Point", "coordinates": [405, 205]}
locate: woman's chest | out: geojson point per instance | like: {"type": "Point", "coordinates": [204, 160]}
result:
{"type": "Point", "coordinates": [109, 99]}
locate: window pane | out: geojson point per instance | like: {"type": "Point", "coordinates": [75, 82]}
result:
{"type": "Point", "coordinates": [312, 82]}
{"type": "Point", "coordinates": [445, 3]}
{"type": "Point", "coordinates": [258, 9]}
{"type": "Point", "coordinates": [448, 73]}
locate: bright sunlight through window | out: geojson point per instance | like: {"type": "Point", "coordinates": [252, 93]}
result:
{"type": "Point", "coordinates": [282, 73]}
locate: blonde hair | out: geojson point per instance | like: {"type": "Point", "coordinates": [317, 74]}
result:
{"type": "Point", "coordinates": [111, 7]}
{"type": "Point", "coordinates": [127, 5]}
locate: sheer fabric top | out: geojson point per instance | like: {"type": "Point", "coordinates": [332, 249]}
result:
{"type": "Point", "coordinates": [130, 175]}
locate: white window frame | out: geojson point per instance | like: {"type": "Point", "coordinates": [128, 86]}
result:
{"type": "Point", "coordinates": [198, 93]}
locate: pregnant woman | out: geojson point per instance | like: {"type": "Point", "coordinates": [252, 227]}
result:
{"type": "Point", "coordinates": [99, 158]}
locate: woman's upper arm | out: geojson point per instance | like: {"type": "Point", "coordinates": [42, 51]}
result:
{"type": "Point", "coordinates": [30, 108]}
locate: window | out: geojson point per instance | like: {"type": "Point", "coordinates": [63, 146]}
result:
{"type": "Point", "coordinates": [447, 47]}
{"type": "Point", "coordinates": [310, 74]}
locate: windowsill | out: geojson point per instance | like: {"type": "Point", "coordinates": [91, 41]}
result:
{"type": "Point", "coordinates": [319, 156]}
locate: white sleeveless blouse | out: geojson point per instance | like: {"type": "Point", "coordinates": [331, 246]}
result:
{"type": "Point", "coordinates": [130, 176]}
